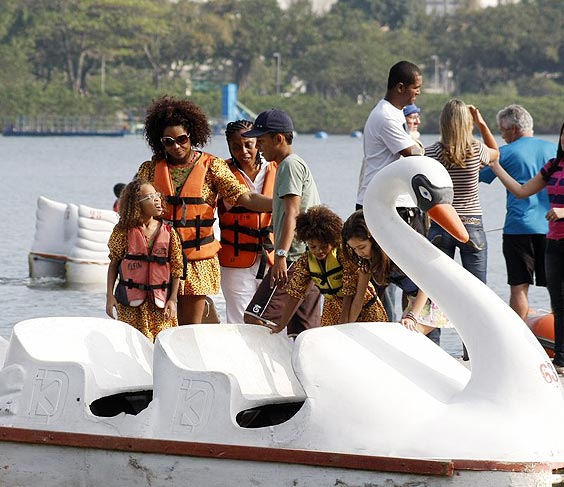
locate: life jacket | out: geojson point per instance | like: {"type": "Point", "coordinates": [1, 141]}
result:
{"type": "Point", "coordinates": [142, 273]}
{"type": "Point", "coordinates": [246, 234]}
{"type": "Point", "coordinates": [328, 276]}
{"type": "Point", "coordinates": [188, 213]}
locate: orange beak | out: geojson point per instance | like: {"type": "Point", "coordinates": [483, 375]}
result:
{"type": "Point", "coordinates": [445, 215]}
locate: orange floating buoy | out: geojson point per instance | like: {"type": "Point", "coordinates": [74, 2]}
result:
{"type": "Point", "coordinates": [542, 326]}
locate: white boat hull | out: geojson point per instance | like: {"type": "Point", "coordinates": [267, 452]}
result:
{"type": "Point", "coordinates": [46, 266]}
{"type": "Point", "coordinates": [52, 459]}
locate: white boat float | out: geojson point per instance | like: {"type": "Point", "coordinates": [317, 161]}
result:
{"type": "Point", "coordinates": [71, 242]}
{"type": "Point", "coordinates": [90, 401]}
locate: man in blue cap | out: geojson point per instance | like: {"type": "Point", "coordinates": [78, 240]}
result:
{"type": "Point", "coordinates": [294, 192]}
{"type": "Point", "coordinates": [411, 113]}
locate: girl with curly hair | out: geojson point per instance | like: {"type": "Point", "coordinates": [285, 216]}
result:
{"type": "Point", "coordinates": [360, 247]}
{"type": "Point", "coordinates": [146, 256]}
{"type": "Point", "coordinates": [190, 181]}
{"type": "Point", "coordinates": [325, 266]}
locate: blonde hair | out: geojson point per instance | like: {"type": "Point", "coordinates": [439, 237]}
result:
{"type": "Point", "coordinates": [456, 125]}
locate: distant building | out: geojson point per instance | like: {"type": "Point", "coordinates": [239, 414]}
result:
{"type": "Point", "coordinates": [440, 7]}
{"type": "Point", "coordinates": [443, 7]}
{"type": "Point", "coordinates": [319, 6]}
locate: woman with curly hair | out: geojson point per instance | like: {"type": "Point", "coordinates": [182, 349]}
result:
{"type": "Point", "coordinates": [146, 255]}
{"type": "Point", "coordinates": [190, 181]}
{"type": "Point", "coordinates": [247, 250]}
{"type": "Point", "coordinates": [325, 266]}
{"type": "Point", "coordinates": [360, 247]}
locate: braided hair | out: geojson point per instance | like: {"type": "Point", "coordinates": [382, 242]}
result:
{"type": "Point", "coordinates": [233, 128]}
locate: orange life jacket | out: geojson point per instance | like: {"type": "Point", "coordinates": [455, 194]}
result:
{"type": "Point", "coordinates": [246, 234]}
{"type": "Point", "coordinates": [143, 273]}
{"type": "Point", "coordinates": [188, 213]}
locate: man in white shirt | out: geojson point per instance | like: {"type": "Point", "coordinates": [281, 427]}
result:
{"type": "Point", "coordinates": [386, 139]}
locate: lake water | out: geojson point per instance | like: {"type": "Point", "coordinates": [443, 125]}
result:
{"type": "Point", "coordinates": [83, 170]}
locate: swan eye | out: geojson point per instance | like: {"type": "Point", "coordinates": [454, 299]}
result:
{"type": "Point", "coordinates": [424, 192]}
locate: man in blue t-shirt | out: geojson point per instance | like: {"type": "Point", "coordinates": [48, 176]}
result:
{"type": "Point", "coordinates": [525, 226]}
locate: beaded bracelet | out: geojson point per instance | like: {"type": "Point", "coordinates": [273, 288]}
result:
{"type": "Point", "coordinates": [411, 316]}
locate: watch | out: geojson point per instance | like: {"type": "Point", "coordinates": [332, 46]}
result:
{"type": "Point", "coordinates": [282, 253]}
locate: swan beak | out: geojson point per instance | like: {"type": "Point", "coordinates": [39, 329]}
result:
{"type": "Point", "coordinates": [445, 215]}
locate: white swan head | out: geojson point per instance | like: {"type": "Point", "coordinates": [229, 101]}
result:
{"type": "Point", "coordinates": [429, 185]}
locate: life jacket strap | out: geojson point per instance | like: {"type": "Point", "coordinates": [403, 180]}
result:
{"type": "Point", "coordinates": [144, 287]}
{"type": "Point", "coordinates": [324, 277]}
{"type": "Point", "coordinates": [329, 291]}
{"type": "Point", "coordinates": [148, 258]}
{"type": "Point", "coordinates": [186, 200]}
{"type": "Point", "coordinates": [242, 209]}
{"type": "Point", "coordinates": [251, 232]}
{"type": "Point", "coordinates": [197, 222]}
{"type": "Point", "coordinates": [188, 244]}
{"type": "Point", "coordinates": [262, 266]}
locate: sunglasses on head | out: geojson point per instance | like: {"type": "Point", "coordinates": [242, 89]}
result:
{"type": "Point", "coordinates": [180, 140]}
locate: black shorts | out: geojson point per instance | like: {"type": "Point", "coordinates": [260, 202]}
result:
{"type": "Point", "coordinates": [524, 259]}
{"type": "Point", "coordinates": [269, 303]}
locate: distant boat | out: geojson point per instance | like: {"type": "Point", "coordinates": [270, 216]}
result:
{"type": "Point", "coordinates": [47, 126]}
{"type": "Point", "coordinates": [37, 133]}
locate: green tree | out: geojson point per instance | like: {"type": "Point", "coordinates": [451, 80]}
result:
{"type": "Point", "coordinates": [495, 45]}
{"type": "Point", "coordinates": [251, 35]}
{"type": "Point", "coordinates": [74, 36]}
{"type": "Point", "coordinates": [389, 13]}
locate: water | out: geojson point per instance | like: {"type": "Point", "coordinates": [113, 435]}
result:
{"type": "Point", "coordinates": [83, 170]}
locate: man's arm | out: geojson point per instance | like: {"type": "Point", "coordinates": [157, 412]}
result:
{"type": "Point", "coordinates": [291, 210]}
{"type": "Point", "coordinates": [413, 150]}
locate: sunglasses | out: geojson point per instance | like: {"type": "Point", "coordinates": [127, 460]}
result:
{"type": "Point", "coordinates": [180, 140]}
{"type": "Point", "coordinates": [152, 197]}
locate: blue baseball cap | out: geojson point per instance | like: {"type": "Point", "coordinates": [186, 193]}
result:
{"type": "Point", "coordinates": [272, 121]}
{"type": "Point", "coordinates": [411, 109]}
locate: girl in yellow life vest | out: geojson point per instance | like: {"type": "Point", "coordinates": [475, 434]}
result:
{"type": "Point", "coordinates": [324, 265]}
{"type": "Point", "coordinates": [146, 260]}
{"type": "Point", "coordinates": [246, 236]}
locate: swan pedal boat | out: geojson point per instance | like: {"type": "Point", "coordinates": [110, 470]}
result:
{"type": "Point", "coordinates": [87, 401]}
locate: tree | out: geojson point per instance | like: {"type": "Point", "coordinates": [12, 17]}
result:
{"type": "Point", "coordinates": [354, 56]}
{"type": "Point", "coordinates": [75, 35]}
{"type": "Point", "coordinates": [493, 46]}
{"type": "Point", "coordinates": [390, 13]}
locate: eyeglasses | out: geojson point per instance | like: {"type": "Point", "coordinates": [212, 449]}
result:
{"type": "Point", "coordinates": [180, 140]}
{"type": "Point", "coordinates": [152, 197]}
